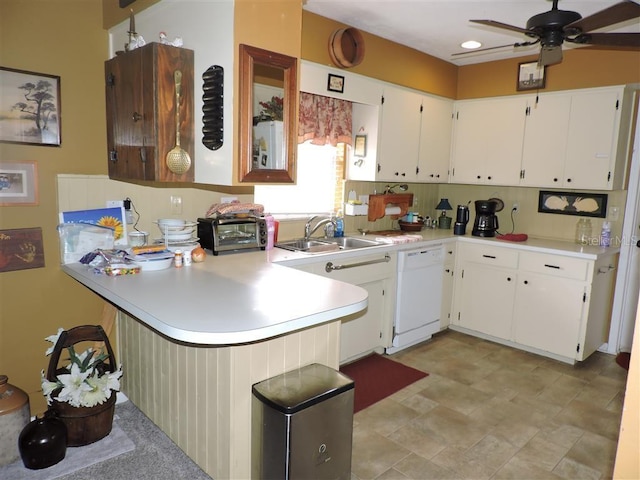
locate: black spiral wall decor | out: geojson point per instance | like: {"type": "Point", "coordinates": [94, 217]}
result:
{"type": "Point", "coordinates": [212, 108]}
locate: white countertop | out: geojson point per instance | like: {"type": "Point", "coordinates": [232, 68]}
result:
{"type": "Point", "coordinates": [226, 300]}
{"type": "Point", "coordinates": [246, 297]}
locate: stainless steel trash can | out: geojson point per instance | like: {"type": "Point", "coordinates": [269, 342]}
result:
{"type": "Point", "coordinates": [302, 425]}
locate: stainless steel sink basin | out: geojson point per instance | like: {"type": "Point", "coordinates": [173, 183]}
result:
{"type": "Point", "coordinates": [353, 242]}
{"type": "Point", "coordinates": [319, 245]}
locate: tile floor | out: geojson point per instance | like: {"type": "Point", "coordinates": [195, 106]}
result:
{"type": "Point", "coordinates": [487, 411]}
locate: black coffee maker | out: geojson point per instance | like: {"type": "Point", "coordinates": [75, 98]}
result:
{"type": "Point", "coordinates": [462, 218]}
{"type": "Point", "coordinates": [486, 222]}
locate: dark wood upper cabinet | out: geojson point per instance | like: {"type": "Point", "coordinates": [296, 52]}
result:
{"type": "Point", "coordinates": [141, 112]}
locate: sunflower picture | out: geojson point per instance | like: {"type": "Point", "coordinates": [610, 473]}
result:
{"type": "Point", "coordinates": [112, 223]}
{"type": "Point", "coordinates": [112, 217]}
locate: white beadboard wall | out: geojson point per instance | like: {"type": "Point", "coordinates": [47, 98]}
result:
{"type": "Point", "coordinates": [78, 192]}
{"type": "Point", "coordinates": [201, 396]}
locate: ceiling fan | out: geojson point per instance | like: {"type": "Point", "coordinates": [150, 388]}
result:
{"type": "Point", "coordinates": [550, 29]}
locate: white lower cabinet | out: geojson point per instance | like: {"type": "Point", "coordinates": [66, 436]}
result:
{"type": "Point", "coordinates": [370, 330]}
{"type": "Point", "coordinates": [448, 278]}
{"type": "Point", "coordinates": [548, 313]}
{"type": "Point", "coordinates": [552, 304]}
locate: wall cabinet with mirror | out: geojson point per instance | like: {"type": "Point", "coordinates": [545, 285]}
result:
{"type": "Point", "coordinates": [268, 107]}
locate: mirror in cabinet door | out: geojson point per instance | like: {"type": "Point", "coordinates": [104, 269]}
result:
{"type": "Point", "coordinates": [268, 106]}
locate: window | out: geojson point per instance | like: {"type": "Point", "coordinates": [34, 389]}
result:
{"type": "Point", "coordinates": [319, 187]}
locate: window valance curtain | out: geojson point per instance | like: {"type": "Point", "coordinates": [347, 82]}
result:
{"type": "Point", "coordinates": [324, 120]}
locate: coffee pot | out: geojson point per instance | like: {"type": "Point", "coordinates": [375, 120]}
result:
{"type": "Point", "coordinates": [462, 218]}
{"type": "Point", "coordinates": [486, 222]}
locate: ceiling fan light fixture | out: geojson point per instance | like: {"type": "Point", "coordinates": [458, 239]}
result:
{"type": "Point", "coordinates": [471, 44]}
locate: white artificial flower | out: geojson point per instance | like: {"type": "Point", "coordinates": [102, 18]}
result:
{"type": "Point", "coordinates": [97, 394]}
{"type": "Point", "coordinates": [48, 387]}
{"type": "Point", "coordinates": [73, 384]}
{"type": "Point", "coordinates": [53, 339]}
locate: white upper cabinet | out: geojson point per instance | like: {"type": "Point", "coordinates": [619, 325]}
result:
{"type": "Point", "coordinates": [545, 140]}
{"type": "Point", "coordinates": [592, 142]}
{"type": "Point", "coordinates": [577, 139]}
{"type": "Point", "coordinates": [399, 135]}
{"type": "Point", "coordinates": [487, 140]}
{"type": "Point", "coordinates": [434, 152]}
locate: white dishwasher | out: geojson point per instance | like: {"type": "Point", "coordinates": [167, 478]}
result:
{"type": "Point", "coordinates": [419, 296]}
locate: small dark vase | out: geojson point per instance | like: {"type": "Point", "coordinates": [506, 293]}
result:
{"type": "Point", "coordinates": [43, 442]}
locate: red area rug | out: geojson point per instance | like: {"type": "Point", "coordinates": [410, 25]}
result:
{"type": "Point", "coordinates": [376, 377]}
{"type": "Point", "coordinates": [623, 360]}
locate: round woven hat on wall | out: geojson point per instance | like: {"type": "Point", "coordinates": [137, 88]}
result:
{"type": "Point", "coordinates": [346, 47]}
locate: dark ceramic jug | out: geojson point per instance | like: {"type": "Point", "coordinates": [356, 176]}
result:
{"type": "Point", "coordinates": [43, 442]}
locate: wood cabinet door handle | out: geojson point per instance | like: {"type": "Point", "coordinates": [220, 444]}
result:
{"type": "Point", "coordinates": [136, 116]}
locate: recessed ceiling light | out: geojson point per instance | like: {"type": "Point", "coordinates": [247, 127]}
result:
{"type": "Point", "coordinates": [471, 44]}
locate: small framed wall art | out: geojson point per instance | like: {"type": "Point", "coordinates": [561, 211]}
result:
{"type": "Point", "coordinates": [21, 249]}
{"type": "Point", "coordinates": [530, 76]}
{"type": "Point", "coordinates": [573, 203]}
{"type": "Point", "coordinates": [335, 83]}
{"type": "Point", "coordinates": [29, 107]}
{"type": "Point", "coordinates": [360, 146]}
{"type": "Point", "coordinates": [18, 184]}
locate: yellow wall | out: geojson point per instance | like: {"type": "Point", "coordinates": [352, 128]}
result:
{"type": "Point", "coordinates": [34, 303]}
{"type": "Point", "coordinates": [580, 68]}
{"type": "Point", "coordinates": [383, 59]}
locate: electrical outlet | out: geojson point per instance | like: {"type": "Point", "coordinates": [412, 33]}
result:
{"type": "Point", "coordinates": [176, 205]}
{"type": "Point", "coordinates": [515, 207]}
{"type": "Point", "coordinates": [614, 213]}
{"type": "Point", "coordinates": [415, 201]}
{"type": "Point", "coordinates": [115, 203]}
{"type": "Point", "coordinates": [228, 199]}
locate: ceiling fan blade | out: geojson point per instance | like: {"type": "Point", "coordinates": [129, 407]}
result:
{"type": "Point", "coordinates": [550, 56]}
{"type": "Point", "coordinates": [493, 23]}
{"type": "Point", "coordinates": [513, 45]}
{"type": "Point", "coordinates": [613, 39]}
{"type": "Point", "coordinates": [617, 13]}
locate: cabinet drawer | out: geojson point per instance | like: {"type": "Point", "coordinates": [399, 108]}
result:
{"type": "Point", "coordinates": [556, 265]}
{"type": "Point", "coordinates": [489, 255]}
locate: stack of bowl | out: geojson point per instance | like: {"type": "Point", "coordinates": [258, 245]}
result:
{"type": "Point", "coordinates": [177, 232]}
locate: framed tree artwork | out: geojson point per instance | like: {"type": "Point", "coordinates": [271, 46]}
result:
{"type": "Point", "coordinates": [29, 107]}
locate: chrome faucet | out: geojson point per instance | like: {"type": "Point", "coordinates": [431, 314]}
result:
{"type": "Point", "coordinates": [308, 231]}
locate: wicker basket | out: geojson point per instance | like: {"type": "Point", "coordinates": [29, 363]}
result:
{"type": "Point", "coordinates": [84, 424]}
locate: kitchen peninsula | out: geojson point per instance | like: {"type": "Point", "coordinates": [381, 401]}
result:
{"type": "Point", "coordinates": [193, 341]}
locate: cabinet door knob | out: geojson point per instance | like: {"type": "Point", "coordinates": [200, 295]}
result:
{"type": "Point", "coordinates": [397, 173]}
{"type": "Point", "coordinates": [555, 179]}
{"type": "Point", "coordinates": [508, 279]}
{"type": "Point", "coordinates": [489, 177]}
{"type": "Point", "coordinates": [478, 177]}
{"type": "Point", "coordinates": [136, 116]}
{"type": "Point", "coordinates": [526, 282]}
{"type": "Point", "coordinates": [568, 180]}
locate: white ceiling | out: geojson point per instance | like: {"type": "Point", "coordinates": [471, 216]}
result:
{"type": "Point", "coordinates": [438, 27]}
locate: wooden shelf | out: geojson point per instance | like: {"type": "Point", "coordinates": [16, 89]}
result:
{"type": "Point", "coordinates": [378, 204]}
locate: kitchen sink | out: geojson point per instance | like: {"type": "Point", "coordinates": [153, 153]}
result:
{"type": "Point", "coordinates": [320, 245]}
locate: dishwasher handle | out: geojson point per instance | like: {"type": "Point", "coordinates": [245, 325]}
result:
{"type": "Point", "coordinates": [329, 267]}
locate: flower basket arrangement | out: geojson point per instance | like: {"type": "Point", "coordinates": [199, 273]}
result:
{"type": "Point", "coordinates": [83, 393]}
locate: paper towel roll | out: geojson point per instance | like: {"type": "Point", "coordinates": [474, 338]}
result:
{"type": "Point", "coordinates": [392, 210]}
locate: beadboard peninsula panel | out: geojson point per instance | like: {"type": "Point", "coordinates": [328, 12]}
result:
{"type": "Point", "coordinates": [197, 394]}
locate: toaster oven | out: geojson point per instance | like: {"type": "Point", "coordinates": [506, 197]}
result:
{"type": "Point", "coordinates": [229, 233]}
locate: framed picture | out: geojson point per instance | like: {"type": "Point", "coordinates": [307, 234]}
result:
{"type": "Point", "coordinates": [21, 249]}
{"type": "Point", "coordinates": [360, 146]}
{"type": "Point", "coordinates": [335, 83]}
{"type": "Point", "coordinates": [572, 203]}
{"type": "Point", "coordinates": [18, 184]}
{"type": "Point", "coordinates": [530, 76]}
{"type": "Point", "coordinates": [29, 107]}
